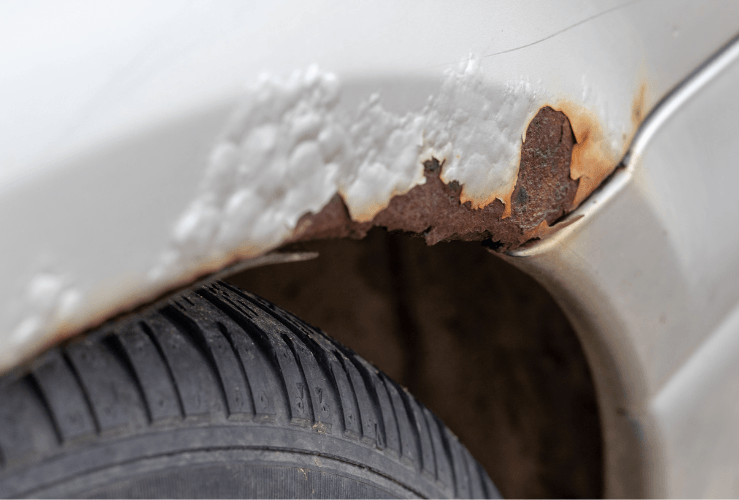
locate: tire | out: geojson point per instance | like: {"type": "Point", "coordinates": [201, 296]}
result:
{"type": "Point", "coordinates": [218, 393]}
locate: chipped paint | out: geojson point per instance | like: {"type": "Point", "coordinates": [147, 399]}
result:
{"type": "Point", "coordinates": [593, 158]}
{"type": "Point", "coordinates": [49, 298]}
{"type": "Point", "coordinates": [293, 145]}
{"type": "Point", "coordinates": [294, 153]}
{"type": "Point", "coordinates": [436, 211]}
{"type": "Point", "coordinates": [44, 313]}
{"type": "Point", "coordinates": [53, 304]}
{"type": "Point", "coordinates": [596, 154]}
{"type": "Point", "coordinates": [480, 126]}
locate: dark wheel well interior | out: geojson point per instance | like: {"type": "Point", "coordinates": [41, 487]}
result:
{"type": "Point", "coordinates": [482, 344]}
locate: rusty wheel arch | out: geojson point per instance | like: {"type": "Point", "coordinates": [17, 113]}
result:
{"type": "Point", "coordinates": [544, 192]}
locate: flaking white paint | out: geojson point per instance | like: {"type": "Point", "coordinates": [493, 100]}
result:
{"type": "Point", "coordinates": [49, 298]}
{"type": "Point", "coordinates": [291, 146]}
{"type": "Point", "coordinates": [105, 142]}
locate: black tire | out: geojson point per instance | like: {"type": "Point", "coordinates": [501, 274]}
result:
{"type": "Point", "coordinates": [218, 393]}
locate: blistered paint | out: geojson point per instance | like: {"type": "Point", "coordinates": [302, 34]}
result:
{"type": "Point", "coordinates": [50, 298]}
{"type": "Point", "coordinates": [280, 155]}
{"type": "Point", "coordinates": [291, 146]}
{"type": "Point", "coordinates": [478, 131]}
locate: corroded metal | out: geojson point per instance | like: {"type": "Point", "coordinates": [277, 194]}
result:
{"type": "Point", "coordinates": [545, 190]}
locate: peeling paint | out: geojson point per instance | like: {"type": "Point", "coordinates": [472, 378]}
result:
{"type": "Point", "coordinates": [480, 127]}
{"type": "Point", "coordinates": [639, 105]}
{"type": "Point", "coordinates": [435, 209]}
{"type": "Point", "coordinates": [596, 154]}
{"type": "Point", "coordinates": [297, 161]}
{"type": "Point", "coordinates": [592, 157]}
{"type": "Point", "coordinates": [50, 298]}
{"type": "Point", "coordinates": [292, 145]}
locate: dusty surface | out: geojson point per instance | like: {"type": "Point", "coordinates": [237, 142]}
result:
{"type": "Point", "coordinates": [480, 343]}
{"type": "Point", "coordinates": [544, 192]}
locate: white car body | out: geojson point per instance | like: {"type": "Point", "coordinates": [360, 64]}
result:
{"type": "Point", "coordinates": [145, 145]}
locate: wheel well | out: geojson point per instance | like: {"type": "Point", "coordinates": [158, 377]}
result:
{"type": "Point", "coordinates": [482, 344]}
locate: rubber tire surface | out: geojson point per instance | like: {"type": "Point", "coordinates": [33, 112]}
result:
{"type": "Point", "coordinates": [218, 393]}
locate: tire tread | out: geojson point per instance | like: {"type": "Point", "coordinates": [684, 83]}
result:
{"type": "Point", "coordinates": [216, 354]}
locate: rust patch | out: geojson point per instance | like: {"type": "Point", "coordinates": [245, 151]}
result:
{"type": "Point", "coordinates": [639, 106]}
{"type": "Point", "coordinates": [592, 157]}
{"type": "Point", "coordinates": [545, 190]}
{"type": "Point", "coordinates": [477, 203]}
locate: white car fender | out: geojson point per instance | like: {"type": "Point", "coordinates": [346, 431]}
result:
{"type": "Point", "coordinates": [145, 145]}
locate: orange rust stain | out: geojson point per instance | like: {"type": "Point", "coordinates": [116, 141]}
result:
{"type": "Point", "coordinates": [544, 230]}
{"type": "Point", "coordinates": [639, 106]}
{"type": "Point", "coordinates": [369, 211]}
{"type": "Point", "coordinates": [477, 203]}
{"type": "Point", "coordinates": [593, 158]}
{"type": "Point", "coordinates": [506, 203]}
{"type": "Point", "coordinates": [592, 161]}
{"type": "Point", "coordinates": [504, 197]}
{"type": "Point", "coordinates": [131, 302]}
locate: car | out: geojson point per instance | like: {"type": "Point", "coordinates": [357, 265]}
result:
{"type": "Point", "coordinates": [150, 148]}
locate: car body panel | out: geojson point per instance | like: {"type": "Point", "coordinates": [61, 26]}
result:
{"type": "Point", "coordinates": [652, 285]}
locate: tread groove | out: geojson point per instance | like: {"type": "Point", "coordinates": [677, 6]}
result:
{"type": "Point", "coordinates": [305, 387]}
{"type": "Point", "coordinates": [476, 488]}
{"type": "Point", "coordinates": [325, 367]}
{"type": "Point", "coordinates": [146, 329]}
{"type": "Point", "coordinates": [372, 391]}
{"type": "Point", "coordinates": [252, 356]}
{"type": "Point", "coordinates": [413, 424]}
{"type": "Point", "coordinates": [315, 366]}
{"type": "Point", "coordinates": [383, 415]}
{"type": "Point", "coordinates": [291, 340]}
{"type": "Point", "coordinates": [227, 335]}
{"type": "Point", "coordinates": [486, 488]}
{"type": "Point", "coordinates": [340, 357]}
{"type": "Point", "coordinates": [459, 467]}
{"type": "Point", "coordinates": [114, 346]}
{"type": "Point", "coordinates": [427, 455]}
{"type": "Point", "coordinates": [33, 384]}
{"type": "Point", "coordinates": [378, 427]}
{"type": "Point", "coordinates": [379, 431]}
{"type": "Point", "coordinates": [448, 451]}
{"type": "Point", "coordinates": [85, 396]}
{"type": "Point", "coordinates": [359, 385]}
{"type": "Point", "coordinates": [258, 336]}
{"type": "Point", "coordinates": [177, 316]}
